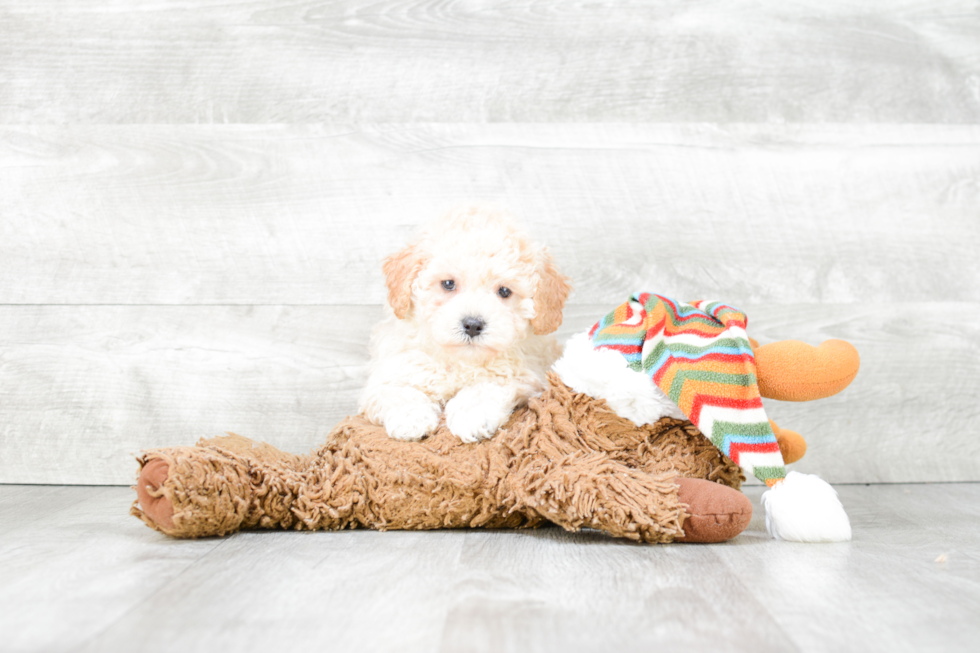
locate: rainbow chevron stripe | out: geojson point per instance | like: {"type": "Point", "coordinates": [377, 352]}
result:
{"type": "Point", "coordinates": [700, 356]}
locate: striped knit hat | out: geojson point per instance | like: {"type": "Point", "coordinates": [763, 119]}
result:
{"type": "Point", "coordinates": [701, 365]}
{"type": "Point", "coordinates": [700, 356]}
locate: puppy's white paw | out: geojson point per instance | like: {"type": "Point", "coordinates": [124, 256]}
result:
{"type": "Point", "coordinates": [412, 421]}
{"type": "Point", "coordinates": [476, 412]}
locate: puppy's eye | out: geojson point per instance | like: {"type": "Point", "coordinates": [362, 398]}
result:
{"type": "Point", "coordinates": [449, 284]}
{"type": "Point", "coordinates": [504, 292]}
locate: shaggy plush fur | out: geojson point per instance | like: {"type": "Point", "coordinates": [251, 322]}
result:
{"type": "Point", "coordinates": [564, 458]}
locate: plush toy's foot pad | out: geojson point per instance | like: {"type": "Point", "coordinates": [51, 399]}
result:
{"type": "Point", "coordinates": [155, 506]}
{"type": "Point", "coordinates": [715, 512]}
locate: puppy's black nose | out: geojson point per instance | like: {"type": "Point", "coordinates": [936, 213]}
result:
{"type": "Point", "coordinates": [473, 326]}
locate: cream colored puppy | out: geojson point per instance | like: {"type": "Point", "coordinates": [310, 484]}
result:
{"type": "Point", "coordinates": [470, 302]}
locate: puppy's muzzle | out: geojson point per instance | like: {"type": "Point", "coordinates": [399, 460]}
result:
{"type": "Point", "coordinates": [473, 326]}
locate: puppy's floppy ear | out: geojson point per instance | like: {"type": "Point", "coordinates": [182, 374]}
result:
{"type": "Point", "coordinates": [550, 296]}
{"type": "Point", "coordinates": [400, 270]}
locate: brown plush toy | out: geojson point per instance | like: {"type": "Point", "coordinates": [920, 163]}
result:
{"type": "Point", "coordinates": [565, 458]}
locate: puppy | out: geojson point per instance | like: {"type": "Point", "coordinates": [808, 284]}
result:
{"type": "Point", "coordinates": [470, 304]}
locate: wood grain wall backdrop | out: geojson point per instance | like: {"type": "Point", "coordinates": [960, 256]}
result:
{"type": "Point", "coordinates": [84, 387]}
{"type": "Point", "coordinates": [162, 280]}
{"type": "Point", "coordinates": [256, 214]}
{"type": "Point", "coordinates": [263, 61]}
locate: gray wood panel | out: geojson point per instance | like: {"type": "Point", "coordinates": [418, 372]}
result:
{"type": "Point", "coordinates": [405, 60]}
{"type": "Point", "coordinates": [912, 412]}
{"type": "Point", "coordinates": [304, 214]}
{"type": "Point", "coordinates": [161, 280]}
{"type": "Point", "coordinates": [84, 387]}
{"type": "Point", "coordinates": [843, 599]}
{"type": "Point", "coordinates": [71, 565]}
{"type": "Point", "coordinates": [524, 595]}
{"type": "Point", "coordinates": [90, 577]}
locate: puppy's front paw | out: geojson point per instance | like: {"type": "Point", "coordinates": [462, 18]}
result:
{"type": "Point", "coordinates": [476, 413]}
{"type": "Point", "coordinates": [412, 421]}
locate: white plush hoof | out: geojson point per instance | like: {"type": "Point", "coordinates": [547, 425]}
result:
{"type": "Point", "coordinates": [805, 508]}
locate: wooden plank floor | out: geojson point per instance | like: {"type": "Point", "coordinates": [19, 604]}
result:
{"type": "Point", "coordinates": [78, 574]}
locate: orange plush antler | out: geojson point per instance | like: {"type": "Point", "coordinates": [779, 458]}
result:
{"type": "Point", "coordinates": [790, 370]}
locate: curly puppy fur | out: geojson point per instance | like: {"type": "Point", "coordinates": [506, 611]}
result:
{"type": "Point", "coordinates": [471, 302]}
{"type": "Point", "coordinates": [565, 458]}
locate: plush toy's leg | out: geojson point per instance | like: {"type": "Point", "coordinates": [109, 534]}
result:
{"type": "Point", "coordinates": [678, 446]}
{"type": "Point", "coordinates": [192, 492]}
{"type": "Point", "coordinates": [157, 508]}
{"type": "Point", "coordinates": [585, 467]}
{"type": "Point", "coordinates": [593, 491]}
{"type": "Point", "coordinates": [229, 483]}
{"type": "Point", "coordinates": [715, 513]}
{"type": "Point", "coordinates": [668, 446]}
